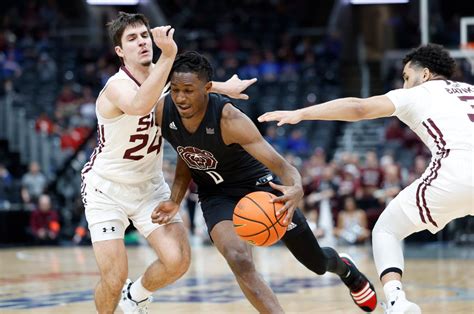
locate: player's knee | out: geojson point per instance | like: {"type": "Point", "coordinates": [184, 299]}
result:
{"type": "Point", "coordinates": [114, 280]}
{"type": "Point", "coordinates": [240, 261]}
{"type": "Point", "coordinates": [177, 263]}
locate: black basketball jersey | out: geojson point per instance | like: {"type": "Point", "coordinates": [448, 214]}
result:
{"type": "Point", "coordinates": [217, 168]}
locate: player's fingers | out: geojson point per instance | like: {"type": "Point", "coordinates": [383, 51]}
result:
{"type": "Point", "coordinates": [278, 187]}
{"type": "Point", "coordinates": [243, 96]}
{"type": "Point", "coordinates": [170, 33]}
{"type": "Point", "coordinates": [281, 122]}
{"type": "Point", "coordinates": [283, 209]}
{"type": "Point", "coordinates": [289, 216]}
{"type": "Point", "coordinates": [165, 30]}
{"type": "Point", "coordinates": [235, 76]}
{"type": "Point", "coordinates": [250, 82]}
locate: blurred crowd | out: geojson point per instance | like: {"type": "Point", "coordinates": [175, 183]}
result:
{"type": "Point", "coordinates": [58, 83]}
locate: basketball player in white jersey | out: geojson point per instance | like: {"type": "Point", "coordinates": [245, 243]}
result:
{"type": "Point", "coordinates": [441, 113]}
{"type": "Point", "coordinates": [123, 179]}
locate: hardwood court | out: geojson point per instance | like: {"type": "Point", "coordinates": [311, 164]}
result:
{"type": "Point", "coordinates": [60, 280]}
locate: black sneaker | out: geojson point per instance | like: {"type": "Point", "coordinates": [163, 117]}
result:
{"type": "Point", "coordinates": [361, 289]}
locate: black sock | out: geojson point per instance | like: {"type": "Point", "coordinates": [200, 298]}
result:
{"type": "Point", "coordinates": [307, 251]}
{"type": "Point", "coordinates": [335, 263]}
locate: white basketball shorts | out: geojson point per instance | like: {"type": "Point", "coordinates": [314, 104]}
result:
{"type": "Point", "coordinates": [109, 206]}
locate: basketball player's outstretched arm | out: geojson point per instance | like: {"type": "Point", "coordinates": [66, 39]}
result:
{"type": "Point", "coordinates": [140, 101]}
{"type": "Point", "coordinates": [166, 210]}
{"type": "Point", "coordinates": [239, 129]}
{"type": "Point", "coordinates": [343, 109]}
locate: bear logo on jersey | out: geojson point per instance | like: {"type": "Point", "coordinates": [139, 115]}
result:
{"type": "Point", "coordinates": [197, 158]}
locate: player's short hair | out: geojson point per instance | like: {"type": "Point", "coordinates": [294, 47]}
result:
{"type": "Point", "coordinates": [117, 26]}
{"type": "Point", "coordinates": [193, 62]}
{"type": "Point", "coordinates": [434, 57]}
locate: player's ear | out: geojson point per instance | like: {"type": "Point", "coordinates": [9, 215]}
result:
{"type": "Point", "coordinates": [208, 87]}
{"type": "Point", "coordinates": [119, 51]}
{"type": "Point", "coordinates": [426, 75]}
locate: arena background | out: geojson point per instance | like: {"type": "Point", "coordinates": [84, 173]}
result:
{"type": "Point", "coordinates": [55, 57]}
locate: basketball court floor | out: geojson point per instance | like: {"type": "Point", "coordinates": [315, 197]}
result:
{"type": "Point", "coordinates": [60, 280]}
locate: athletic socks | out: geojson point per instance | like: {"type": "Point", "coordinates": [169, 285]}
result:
{"type": "Point", "coordinates": [138, 293]}
{"type": "Point", "coordinates": [391, 290]}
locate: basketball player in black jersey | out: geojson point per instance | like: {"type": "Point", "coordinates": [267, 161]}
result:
{"type": "Point", "coordinates": [222, 151]}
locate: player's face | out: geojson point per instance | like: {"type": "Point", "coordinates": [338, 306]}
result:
{"type": "Point", "coordinates": [136, 45]}
{"type": "Point", "coordinates": [412, 75]}
{"type": "Point", "coordinates": [189, 94]}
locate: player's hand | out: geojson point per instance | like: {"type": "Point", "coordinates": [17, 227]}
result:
{"type": "Point", "coordinates": [292, 195]}
{"type": "Point", "coordinates": [234, 87]}
{"type": "Point", "coordinates": [163, 38]}
{"type": "Point", "coordinates": [283, 117]}
{"type": "Point", "coordinates": [164, 212]}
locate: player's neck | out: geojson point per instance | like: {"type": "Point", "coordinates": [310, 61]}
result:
{"type": "Point", "coordinates": [192, 124]}
{"type": "Point", "coordinates": [137, 71]}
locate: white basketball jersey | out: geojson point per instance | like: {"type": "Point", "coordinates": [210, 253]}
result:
{"type": "Point", "coordinates": [129, 148]}
{"type": "Point", "coordinates": [440, 112]}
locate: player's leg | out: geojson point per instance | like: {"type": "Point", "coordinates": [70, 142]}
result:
{"type": "Point", "coordinates": [389, 231]}
{"type": "Point", "coordinates": [111, 257]}
{"type": "Point", "coordinates": [302, 243]}
{"type": "Point", "coordinates": [170, 243]}
{"type": "Point", "coordinates": [238, 255]}
{"type": "Point", "coordinates": [107, 224]}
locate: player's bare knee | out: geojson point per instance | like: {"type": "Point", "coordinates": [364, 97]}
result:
{"type": "Point", "coordinates": [177, 263]}
{"type": "Point", "coordinates": [114, 281]}
{"type": "Point", "coordinates": [239, 260]}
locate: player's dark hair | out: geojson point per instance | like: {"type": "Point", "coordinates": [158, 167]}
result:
{"type": "Point", "coordinates": [193, 62]}
{"type": "Point", "coordinates": [434, 57]}
{"type": "Point", "coordinates": [117, 26]}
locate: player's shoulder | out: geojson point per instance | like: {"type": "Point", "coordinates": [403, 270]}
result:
{"type": "Point", "coordinates": [230, 112]}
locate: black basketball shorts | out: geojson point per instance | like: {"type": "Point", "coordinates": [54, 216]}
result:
{"type": "Point", "coordinates": [220, 207]}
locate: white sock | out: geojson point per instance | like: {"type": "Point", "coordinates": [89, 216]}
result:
{"type": "Point", "coordinates": [391, 289]}
{"type": "Point", "coordinates": [138, 292]}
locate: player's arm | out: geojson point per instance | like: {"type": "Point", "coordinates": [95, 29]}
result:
{"type": "Point", "coordinates": [343, 109]}
{"type": "Point", "coordinates": [239, 129]}
{"type": "Point", "coordinates": [125, 95]}
{"type": "Point", "coordinates": [233, 87]}
{"type": "Point", "coordinates": [166, 210]}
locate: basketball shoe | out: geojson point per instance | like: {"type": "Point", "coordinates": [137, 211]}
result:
{"type": "Point", "coordinates": [361, 289]}
{"type": "Point", "coordinates": [129, 306]}
{"type": "Point", "coordinates": [400, 305]}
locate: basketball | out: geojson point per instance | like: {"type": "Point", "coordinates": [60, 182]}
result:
{"type": "Point", "coordinates": [256, 221]}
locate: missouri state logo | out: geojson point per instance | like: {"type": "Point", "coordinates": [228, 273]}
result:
{"type": "Point", "coordinates": [197, 158]}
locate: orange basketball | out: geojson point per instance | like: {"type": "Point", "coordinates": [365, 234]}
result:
{"type": "Point", "coordinates": [256, 221]}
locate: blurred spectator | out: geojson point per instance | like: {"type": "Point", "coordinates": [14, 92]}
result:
{"type": "Point", "coordinates": [269, 68]}
{"type": "Point", "coordinates": [87, 107]}
{"type": "Point", "coordinates": [47, 69]}
{"type": "Point", "coordinates": [297, 143]}
{"type": "Point", "coordinates": [44, 222]}
{"type": "Point", "coordinates": [73, 137]}
{"type": "Point", "coordinates": [6, 182]}
{"type": "Point", "coordinates": [67, 102]}
{"type": "Point", "coordinates": [418, 169]}
{"type": "Point", "coordinates": [351, 225]}
{"type": "Point", "coordinates": [394, 131]}
{"type": "Point", "coordinates": [44, 124]}
{"type": "Point", "coordinates": [371, 177]}
{"type": "Point", "coordinates": [349, 184]}
{"type": "Point", "coordinates": [274, 138]}
{"type": "Point", "coordinates": [33, 184]}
